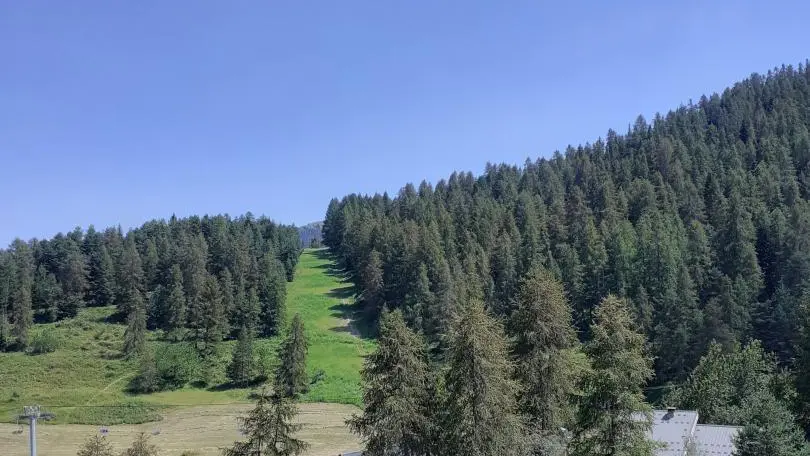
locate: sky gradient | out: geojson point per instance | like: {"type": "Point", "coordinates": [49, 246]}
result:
{"type": "Point", "coordinates": [120, 112]}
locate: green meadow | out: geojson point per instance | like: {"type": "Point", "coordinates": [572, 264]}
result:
{"type": "Point", "coordinates": [85, 380]}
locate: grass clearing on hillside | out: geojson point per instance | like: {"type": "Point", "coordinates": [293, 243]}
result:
{"type": "Point", "coordinates": [85, 380]}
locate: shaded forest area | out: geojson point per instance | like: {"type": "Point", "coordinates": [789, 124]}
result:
{"type": "Point", "coordinates": [197, 278]}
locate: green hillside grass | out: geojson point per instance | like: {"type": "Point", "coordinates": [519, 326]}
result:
{"type": "Point", "coordinates": [85, 380]}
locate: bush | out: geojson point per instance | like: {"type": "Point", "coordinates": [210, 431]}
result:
{"type": "Point", "coordinates": [148, 380]}
{"type": "Point", "coordinates": [177, 364]}
{"type": "Point", "coordinates": [44, 341]}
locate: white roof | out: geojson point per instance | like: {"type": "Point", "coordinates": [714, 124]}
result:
{"type": "Point", "coordinates": [714, 440]}
{"type": "Point", "coordinates": [673, 429]}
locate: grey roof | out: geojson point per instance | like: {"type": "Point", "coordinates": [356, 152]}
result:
{"type": "Point", "coordinates": [673, 429]}
{"type": "Point", "coordinates": [352, 453]}
{"type": "Point", "coordinates": [711, 440]}
{"type": "Point", "coordinates": [677, 428]}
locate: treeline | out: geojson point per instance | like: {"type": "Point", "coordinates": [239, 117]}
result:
{"type": "Point", "coordinates": [541, 392]}
{"type": "Point", "coordinates": [700, 219]}
{"type": "Point", "coordinates": [196, 278]}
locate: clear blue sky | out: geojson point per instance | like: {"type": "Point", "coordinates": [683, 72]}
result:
{"type": "Point", "coordinates": [119, 112]}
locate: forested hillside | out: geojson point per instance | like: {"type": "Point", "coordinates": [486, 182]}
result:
{"type": "Point", "coordinates": [701, 218]}
{"type": "Point", "coordinates": [197, 278]}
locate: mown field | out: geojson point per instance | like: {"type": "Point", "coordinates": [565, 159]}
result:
{"type": "Point", "coordinates": [85, 380]}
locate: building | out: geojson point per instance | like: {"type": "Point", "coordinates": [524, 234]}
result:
{"type": "Point", "coordinates": [678, 431]}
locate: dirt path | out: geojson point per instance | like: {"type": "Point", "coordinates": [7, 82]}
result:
{"type": "Point", "coordinates": [200, 430]}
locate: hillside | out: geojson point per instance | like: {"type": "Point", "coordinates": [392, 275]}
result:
{"type": "Point", "coordinates": [85, 379]}
{"type": "Point", "coordinates": [700, 218]}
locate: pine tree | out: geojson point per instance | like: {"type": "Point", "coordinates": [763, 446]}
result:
{"type": "Point", "coordinates": [609, 415]}
{"type": "Point", "coordinates": [396, 378]}
{"type": "Point", "coordinates": [242, 367]}
{"type": "Point", "coordinates": [546, 351]}
{"type": "Point", "coordinates": [175, 303]}
{"type": "Point", "coordinates": [135, 334]}
{"type": "Point", "coordinates": [481, 413]}
{"type": "Point", "coordinates": [291, 375]}
{"type": "Point", "coordinates": [269, 429]}
{"type": "Point", "coordinates": [96, 445]}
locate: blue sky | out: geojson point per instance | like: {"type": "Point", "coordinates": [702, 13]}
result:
{"type": "Point", "coordinates": [119, 112]}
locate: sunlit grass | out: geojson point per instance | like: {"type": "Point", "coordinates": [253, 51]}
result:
{"type": "Point", "coordinates": [85, 379]}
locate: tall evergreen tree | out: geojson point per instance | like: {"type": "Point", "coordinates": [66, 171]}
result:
{"type": "Point", "coordinates": [47, 294]}
{"type": "Point", "coordinates": [135, 334]}
{"type": "Point", "coordinates": [396, 417]}
{"type": "Point", "coordinates": [21, 313]}
{"type": "Point", "coordinates": [545, 347]}
{"type": "Point", "coordinates": [612, 417]}
{"type": "Point", "coordinates": [130, 278]}
{"type": "Point", "coordinates": [272, 291]}
{"type": "Point", "coordinates": [209, 323]}
{"type": "Point", "coordinates": [291, 374]}
{"type": "Point", "coordinates": [481, 413]}
{"type": "Point", "coordinates": [269, 429]}
{"type": "Point", "coordinates": [242, 366]}
{"type": "Point", "coordinates": [175, 302]}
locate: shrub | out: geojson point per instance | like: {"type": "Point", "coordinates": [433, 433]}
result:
{"type": "Point", "coordinates": [44, 341]}
{"type": "Point", "coordinates": [148, 380]}
{"type": "Point", "coordinates": [177, 364]}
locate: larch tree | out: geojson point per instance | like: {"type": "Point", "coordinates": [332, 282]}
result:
{"type": "Point", "coordinates": [396, 382]}
{"type": "Point", "coordinates": [480, 416]}
{"type": "Point", "coordinates": [269, 429]}
{"type": "Point", "coordinates": [291, 374]}
{"type": "Point", "coordinates": [612, 418]}
{"type": "Point", "coordinates": [546, 349]}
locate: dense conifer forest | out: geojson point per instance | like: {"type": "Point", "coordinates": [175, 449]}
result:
{"type": "Point", "coordinates": [198, 278]}
{"type": "Point", "coordinates": [676, 255]}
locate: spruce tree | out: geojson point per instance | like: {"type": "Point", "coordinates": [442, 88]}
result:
{"type": "Point", "coordinates": [96, 445]}
{"type": "Point", "coordinates": [208, 330]}
{"type": "Point", "coordinates": [130, 278]}
{"type": "Point", "coordinates": [397, 379]}
{"type": "Point", "coordinates": [102, 278]}
{"type": "Point", "coordinates": [272, 291]}
{"type": "Point", "coordinates": [242, 367]}
{"type": "Point", "coordinates": [612, 417]}
{"type": "Point", "coordinates": [546, 350]}
{"type": "Point", "coordinates": [291, 374]}
{"type": "Point", "coordinates": [175, 302]}
{"type": "Point", "coordinates": [269, 429]}
{"type": "Point", "coordinates": [480, 416]}
{"type": "Point", "coordinates": [47, 294]}
{"type": "Point", "coordinates": [135, 334]}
